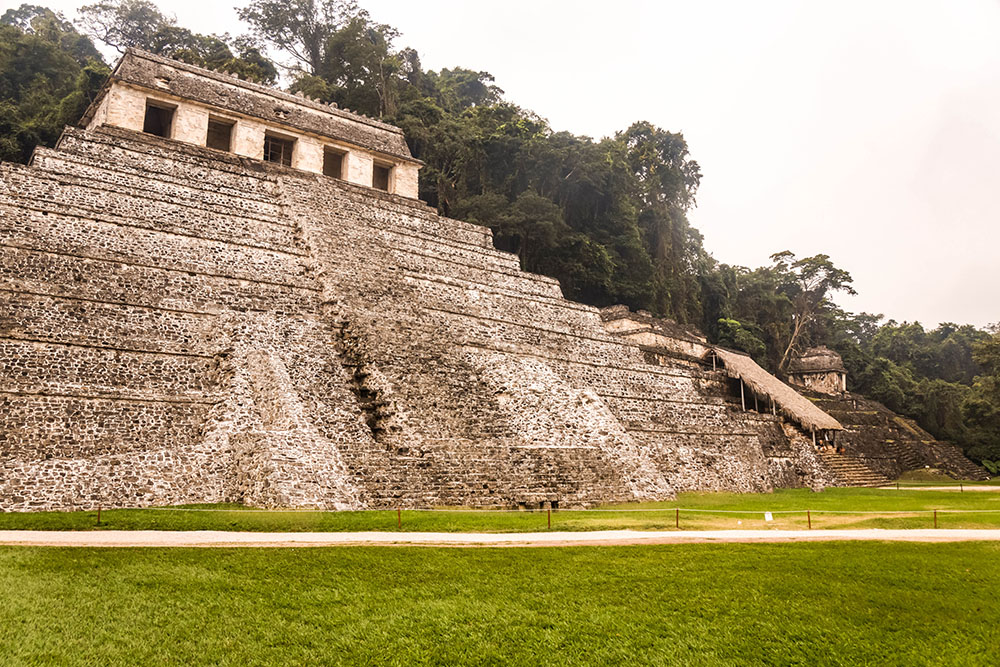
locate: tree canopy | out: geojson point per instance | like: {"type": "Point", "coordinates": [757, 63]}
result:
{"type": "Point", "coordinates": [139, 23]}
{"type": "Point", "coordinates": [49, 74]}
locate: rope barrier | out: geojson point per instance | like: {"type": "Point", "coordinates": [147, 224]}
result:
{"type": "Point", "coordinates": [529, 511]}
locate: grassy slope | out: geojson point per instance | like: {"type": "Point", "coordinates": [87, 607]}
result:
{"type": "Point", "coordinates": [845, 603]}
{"type": "Point", "coordinates": [842, 500]}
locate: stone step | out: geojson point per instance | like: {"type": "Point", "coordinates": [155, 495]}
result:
{"type": "Point", "coordinates": [111, 281]}
{"type": "Point", "coordinates": [69, 169]}
{"type": "Point", "coordinates": [421, 251]}
{"type": "Point", "coordinates": [213, 168]}
{"type": "Point", "coordinates": [101, 240]}
{"type": "Point", "coordinates": [849, 471]}
{"type": "Point", "coordinates": [175, 183]}
{"type": "Point", "coordinates": [37, 367]}
{"type": "Point", "coordinates": [317, 189]}
{"type": "Point", "coordinates": [78, 425]}
{"type": "Point", "coordinates": [54, 319]}
{"type": "Point", "coordinates": [38, 191]}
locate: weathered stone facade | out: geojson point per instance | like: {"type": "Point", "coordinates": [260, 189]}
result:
{"type": "Point", "coordinates": [889, 444]}
{"type": "Point", "coordinates": [819, 369]}
{"type": "Point", "coordinates": [192, 97]}
{"type": "Point", "coordinates": [180, 324]}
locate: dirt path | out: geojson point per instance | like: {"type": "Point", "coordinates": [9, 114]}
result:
{"type": "Point", "coordinates": [211, 538]}
{"type": "Point", "coordinates": [956, 489]}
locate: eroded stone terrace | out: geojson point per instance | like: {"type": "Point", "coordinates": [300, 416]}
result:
{"type": "Point", "coordinates": [181, 325]}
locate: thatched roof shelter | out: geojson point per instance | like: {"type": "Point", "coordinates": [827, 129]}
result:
{"type": "Point", "coordinates": [787, 401]}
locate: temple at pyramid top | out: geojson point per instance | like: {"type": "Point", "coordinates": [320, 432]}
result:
{"type": "Point", "coordinates": [171, 99]}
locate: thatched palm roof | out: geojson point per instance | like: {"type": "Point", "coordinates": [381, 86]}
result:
{"type": "Point", "coordinates": [789, 402]}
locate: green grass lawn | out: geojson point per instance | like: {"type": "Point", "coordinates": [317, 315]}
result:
{"type": "Point", "coordinates": [831, 509]}
{"type": "Point", "coordinates": [775, 604]}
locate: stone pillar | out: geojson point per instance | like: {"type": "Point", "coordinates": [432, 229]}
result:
{"type": "Point", "coordinates": [406, 180]}
{"type": "Point", "coordinates": [190, 124]}
{"type": "Point", "coordinates": [308, 155]}
{"type": "Point", "coordinates": [248, 139]}
{"type": "Point", "coordinates": [358, 168]}
{"type": "Point", "coordinates": [126, 107]}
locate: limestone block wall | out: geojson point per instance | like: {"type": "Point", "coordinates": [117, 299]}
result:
{"type": "Point", "coordinates": [308, 155]}
{"type": "Point", "coordinates": [282, 417]}
{"type": "Point", "coordinates": [180, 325]}
{"type": "Point", "coordinates": [248, 138]}
{"type": "Point", "coordinates": [830, 382]}
{"type": "Point", "coordinates": [889, 443]}
{"type": "Point", "coordinates": [406, 180]}
{"type": "Point", "coordinates": [114, 271]}
{"type": "Point", "coordinates": [461, 293]}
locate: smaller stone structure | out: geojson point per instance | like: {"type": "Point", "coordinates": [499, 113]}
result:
{"type": "Point", "coordinates": [642, 329]}
{"type": "Point", "coordinates": [819, 369]}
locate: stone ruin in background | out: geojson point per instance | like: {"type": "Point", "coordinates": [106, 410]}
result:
{"type": "Point", "coordinates": [214, 291]}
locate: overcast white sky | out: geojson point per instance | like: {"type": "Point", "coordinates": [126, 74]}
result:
{"type": "Point", "coordinates": [868, 130]}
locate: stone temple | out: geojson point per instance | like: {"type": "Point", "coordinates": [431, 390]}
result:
{"type": "Point", "coordinates": [213, 291]}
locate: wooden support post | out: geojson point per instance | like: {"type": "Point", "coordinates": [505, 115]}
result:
{"type": "Point", "coordinates": [809, 519]}
{"type": "Point", "coordinates": [677, 518]}
{"type": "Point", "coordinates": [756, 408]}
{"type": "Point", "coordinates": [743, 399]}
{"type": "Point", "coordinates": [713, 361]}
{"type": "Point", "coordinates": [399, 517]}
{"type": "Point", "coordinates": [774, 410]}
{"type": "Point", "coordinates": [814, 438]}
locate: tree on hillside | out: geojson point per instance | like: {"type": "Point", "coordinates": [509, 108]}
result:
{"type": "Point", "coordinates": [299, 28]}
{"type": "Point", "coordinates": [49, 74]}
{"type": "Point", "coordinates": [139, 23]}
{"type": "Point", "coordinates": [981, 409]}
{"type": "Point", "coordinates": [460, 89]}
{"type": "Point", "coordinates": [337, 53]}
{"type": "Point", "coordinates": [667, 180]}
{"type": "Point", "coordinates": [123, 23]}
{"type": "Point", "coordinates": [807, 283]}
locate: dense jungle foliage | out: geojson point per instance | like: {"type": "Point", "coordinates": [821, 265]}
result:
{"type": "Point", "coordinates": [607, 217]}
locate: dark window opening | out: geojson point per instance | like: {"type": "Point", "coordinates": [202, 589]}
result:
{"type": "Point", "coordinates": [158, 120]}
{"type": "Point", "coordinates": [333, 163]}
{"type": "Point", "coordinates": [278, 150]}
{"type": "Point", "coordinates": [380, 177]}
{"type": "Point", "coordinates": [220, 135]}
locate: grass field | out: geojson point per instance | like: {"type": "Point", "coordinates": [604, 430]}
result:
{"type": "Point", "coordinates": [815, 604]}
{"type": "Point", "coordinates": [832, 508]}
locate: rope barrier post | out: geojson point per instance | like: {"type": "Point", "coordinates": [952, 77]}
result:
{"type": "Point", "coordinates": [550, 518]}
{"type": "Point", "coordinates": [809, 519]}
{"type": "Point", "coordinates": [399, 517]}
{"type": "Point", "coordinates": [897, 485]}
{"type": "Point", "coordinates": [961, 488]}
{"type": "Point", "coordinates": [935, 518]}
{"type": "Point", "coordinates": [98, 515]}
{"type": "Point", "coordinates": [677, 518]}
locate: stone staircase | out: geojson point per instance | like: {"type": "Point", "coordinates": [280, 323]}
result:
{"type": "Point", "coordinates": [374, 408]}
{"type": "Point", "coordinates": [850, 471]}
{"type": "Point", "coordinates": [951, 458]}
